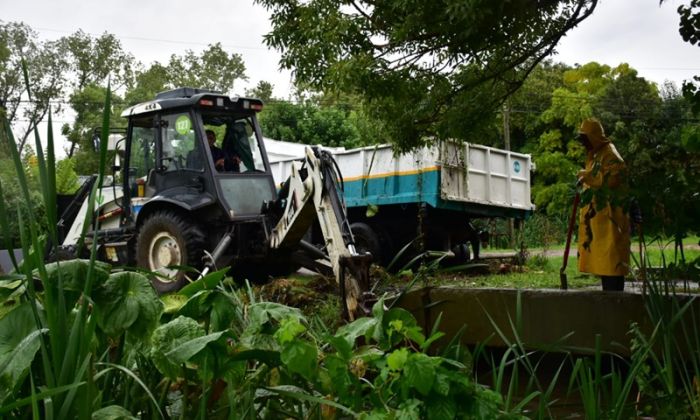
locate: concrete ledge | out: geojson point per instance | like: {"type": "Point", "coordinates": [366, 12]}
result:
{"type": "Point", "coordinates": [549, 318]}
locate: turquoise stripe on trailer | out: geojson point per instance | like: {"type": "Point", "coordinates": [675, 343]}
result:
{"type": "Point", "coordinates": [394, 189]}
{"type": "Point", "coordinates": [421, 187]}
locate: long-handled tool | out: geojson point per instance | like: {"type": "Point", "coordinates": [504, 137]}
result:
{"type": "Point", "coordinates": [562, 275]}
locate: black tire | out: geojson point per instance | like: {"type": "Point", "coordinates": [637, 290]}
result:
{"type": "Point", "coordinates": [462, 253]}
{"type": "Point", "coordinates": [166, 242]}
{"type": "Point", "coordinates": [62, 253]}
{"type": "Point", "coordinates": [367, 240]}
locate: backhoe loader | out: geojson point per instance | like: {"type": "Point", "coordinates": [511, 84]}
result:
{"type": "Point", "coordinates": [169, 207]}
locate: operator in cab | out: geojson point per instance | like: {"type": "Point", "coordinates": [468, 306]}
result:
{"type": "Point", "coordinates": [604, 231]}
{"type": "Point", "coordinates": [222, 161]}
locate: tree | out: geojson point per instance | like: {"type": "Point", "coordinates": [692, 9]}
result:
{"type": "Point", "coordinates": [88, 104]}
{"type": "Point", "coordinates": [280, 120]}
{"type": "Point", "coordinates": [310, 124]}
{"type": "Point", "coordinates": [213, 69]}
{"type": "Point", "coordinates": [92, 62]}
{"type": "Point", "coordinates": [664, 169]}
{"type": "Point", "coordinates": [437, 68]}
{"type": "Point", "coordinates": [147, 83]}
{"type": "Point", "coordinates": [689, 29]}
{"type": "Point", "coordinates": [46, 67]}
{"type": "Point", "coordinates": [263, 90]}
{"type": "Point", "coordinates": [530, 101]}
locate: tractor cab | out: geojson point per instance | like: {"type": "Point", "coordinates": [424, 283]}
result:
{"type": "Point", "coordinates": [197, 150]}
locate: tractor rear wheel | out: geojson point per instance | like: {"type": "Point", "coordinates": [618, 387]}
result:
{"type": "Point", "coordinates": [166, 243]}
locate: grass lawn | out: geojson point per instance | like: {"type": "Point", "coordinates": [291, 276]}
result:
{"type": "Point", "coordinates": [541, 273]}
{"type": "Point", "coordinates": [689, 242]}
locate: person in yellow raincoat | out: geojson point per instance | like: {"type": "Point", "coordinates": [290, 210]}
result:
{"type": "Point", "coordinates": [604, 232]}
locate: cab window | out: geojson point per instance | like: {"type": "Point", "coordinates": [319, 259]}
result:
{"type": "Point", "coordinates": [180, 149]}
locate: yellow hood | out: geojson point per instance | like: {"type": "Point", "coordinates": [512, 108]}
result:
{"type": "Point", "coordinates": [594, 131]}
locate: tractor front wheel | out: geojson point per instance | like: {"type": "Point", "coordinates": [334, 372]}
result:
{"type": "Point", "coordinates": [166, 245]}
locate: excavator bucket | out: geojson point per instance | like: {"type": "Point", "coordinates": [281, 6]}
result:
{"type": "Point", "coordinates": [354, 286]}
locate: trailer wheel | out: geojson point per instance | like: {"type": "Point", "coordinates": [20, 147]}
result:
{"type": "Point", "coordinates": [367, 240]}
{"type": "Point", "coordinates": [462, 253]}
{"type": "Point", "coordinates": [166, 243]}
{"type": "Point", "coordinates": [62, 253]}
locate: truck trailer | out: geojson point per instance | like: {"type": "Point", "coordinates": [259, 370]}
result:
{"type": "Point", "coordinates": [429, 197]}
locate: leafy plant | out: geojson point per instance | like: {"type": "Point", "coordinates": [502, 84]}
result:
{"type": "Point", "coordinates": [66, 177]}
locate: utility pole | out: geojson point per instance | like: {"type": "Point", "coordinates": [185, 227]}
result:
{"type": "Point", "coordinates": [506, 141]}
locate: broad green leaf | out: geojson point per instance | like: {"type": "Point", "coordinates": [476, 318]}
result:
{"type": "Point", "coordinates": [341, 345]}
{"type": "Point", "coordinates": [377, 331]}
{"type": "Point", "coordinates": [128, 302]}
{"type": "Point", "coordinates": [264, 312]}
{"type": "Point", "coordinates": [74, 274]}
{"type": "Point", "coordinates": [419, 372]}
{"type": "Point", "coordinates": [112, 412]}
{"type": "Point", "coordinates": [168, 337]}
{"type": "Point", "coordinates": [409, 410]}
{"type": "Point", "coordinates": [172, 303]}
{"type": "Point", "coordinates": [357, 328]}
{"type": "Point", "coordinates": [368, 353]}
{"type": "Point", "coordinates": [223, 312]}
{"type": "Point", "coordinates": [300, 357]}
{"type": "Point", "coordinates": [439, 408]}
{"type": "Point", "coordinates": [10, 280]}
{"type": "Point", "coordinates": [196, 305]}
{"type": "Point", "coordinates": [207, 282]}
{"type": "Point", "coordinates": [372, 210]}
{"type": "Point", "coordinates": [19, 342]}
{"type": "Point", "coordinates": [185, 351]}
{"type": "Point", "coordinates": [397, 359]}
{"type": "Point", "coordinates": [213, 305]}
{"type": "Point", "coordinates": [404, 323]}
{"type": "Point", "coordinates": [289, 329]}
{"type": "Point", "coordinates": [11, 292]}
{"type": "Point", "coordinates": [375, 414]}
{"type": "Point", "coordinates": [335, 375]}
{"type": "Point", "coordinates": [442, 384]}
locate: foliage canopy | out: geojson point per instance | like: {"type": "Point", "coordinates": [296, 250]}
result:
{"type": "Point", "coordinates": [454, 62]}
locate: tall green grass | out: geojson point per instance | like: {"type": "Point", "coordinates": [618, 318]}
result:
{"type": "Point", "coordinates": [64, 387]}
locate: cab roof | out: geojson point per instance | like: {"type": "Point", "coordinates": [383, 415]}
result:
{"type": "Point", "coordinates": [187, 97]}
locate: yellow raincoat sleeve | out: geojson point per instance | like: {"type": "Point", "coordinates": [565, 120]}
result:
{"type": "Point", "coordinates": [608, 167]}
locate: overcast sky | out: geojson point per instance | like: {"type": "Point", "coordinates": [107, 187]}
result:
{"type": "Point", "coordinates": [638, 32]}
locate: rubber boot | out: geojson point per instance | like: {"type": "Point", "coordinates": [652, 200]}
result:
{"type": "Point", "coordinates": [613, 283]}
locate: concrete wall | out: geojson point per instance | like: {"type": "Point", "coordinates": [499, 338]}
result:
{"type": "Point", "coordinates": [6, 262]}
{"type": "Point", "coordinates": [549, 318]}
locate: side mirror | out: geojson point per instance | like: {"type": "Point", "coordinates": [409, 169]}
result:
{"type": "Point", "coordinates": [117, 165]}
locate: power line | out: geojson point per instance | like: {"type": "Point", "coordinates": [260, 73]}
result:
{"type": "Point", "coordinates": [168, 41]}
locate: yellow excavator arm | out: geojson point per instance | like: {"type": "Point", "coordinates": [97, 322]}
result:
{"type": "Point", "coordinates": [311, 193]}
